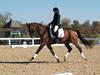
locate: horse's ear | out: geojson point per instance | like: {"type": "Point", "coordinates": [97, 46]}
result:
{"type": "Point", "coordinates": [26, 22]}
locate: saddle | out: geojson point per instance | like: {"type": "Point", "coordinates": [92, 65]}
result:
{"type": "Point", "coordinates": [58, 30]}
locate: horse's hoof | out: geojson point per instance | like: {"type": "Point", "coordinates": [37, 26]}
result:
{"type": "Point", "coordinates": [86, 59]}
{"type": "Point", "coordinates": [32, 59]}
{"type": "Point", "coordinates": [58, 60]}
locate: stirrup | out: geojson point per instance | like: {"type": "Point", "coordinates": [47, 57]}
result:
{"type": "Point", "coordinates": [55, 40]}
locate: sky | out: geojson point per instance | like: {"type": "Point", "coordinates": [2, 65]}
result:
{"type": "Point", "coordinates": [41, 10]}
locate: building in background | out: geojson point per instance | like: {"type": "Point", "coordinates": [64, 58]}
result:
{"type": "Point", "coordinates": [14, 29]}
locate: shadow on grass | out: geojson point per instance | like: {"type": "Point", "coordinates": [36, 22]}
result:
{"type": "Point", "coordinates": [27, 62]}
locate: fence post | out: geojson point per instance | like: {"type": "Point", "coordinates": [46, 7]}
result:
{"type": "Point", "coordinates": [32, 41]}
{"type": "Point", "coordinates": [99, 42]}
{"type": "Point", "coordinates": [9, 41]}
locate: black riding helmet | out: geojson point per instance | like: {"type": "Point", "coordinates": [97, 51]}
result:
{"type": "Point", "coordinates": [56, 9]}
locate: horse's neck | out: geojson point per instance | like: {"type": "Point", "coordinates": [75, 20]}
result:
{"type": "Point", "coordinates": [41, 30]}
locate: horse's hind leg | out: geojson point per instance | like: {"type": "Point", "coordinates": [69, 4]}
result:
{"type": "Point", "coordinates": [53, 53]}
{"type": "Point", "coordinates": [80, 50]}
{"type": "Point", "coordinates": [74, 40]}
{"type": "Point", "coordinates": [69, 50]}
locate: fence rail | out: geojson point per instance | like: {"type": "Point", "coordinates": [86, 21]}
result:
{"type": "Point", "coordinates": [32, 41]}
{"type": "Point", "coordinates": [18, 39]}
{"type": "Point", "coordinates": [95, 40]}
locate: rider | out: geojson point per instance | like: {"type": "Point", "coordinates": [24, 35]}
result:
{"type": "Point", "coordinates": [55, 23]}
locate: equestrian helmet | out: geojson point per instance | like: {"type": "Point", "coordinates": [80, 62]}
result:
{"type": "Point", "coordinates": [55, 9]}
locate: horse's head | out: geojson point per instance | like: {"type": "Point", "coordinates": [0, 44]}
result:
{"type": "Point", "coordinates": [32, 27]}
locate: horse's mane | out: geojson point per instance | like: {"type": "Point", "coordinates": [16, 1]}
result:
{"type": "Point", "coordinates": [39, 24]}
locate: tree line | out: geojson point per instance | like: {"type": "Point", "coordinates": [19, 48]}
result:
{"type": "Point", "coordinates": [87, 29]}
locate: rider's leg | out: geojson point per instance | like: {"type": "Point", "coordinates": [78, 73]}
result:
{"type": "Point", "coordinates": [55, 33]}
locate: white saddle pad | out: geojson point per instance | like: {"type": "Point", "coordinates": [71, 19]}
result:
{"type": "Point", "coordinates": [60, 33]}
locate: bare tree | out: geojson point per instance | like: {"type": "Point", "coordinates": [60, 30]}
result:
{"type": "Point", "coordinates": [76, 24]}
{"type": "Point", "coordinates": [5, 18]}
{"type": "Point", "coordinates": [65, 22]}
{"type": "Point", "coordinates": [96, 26]}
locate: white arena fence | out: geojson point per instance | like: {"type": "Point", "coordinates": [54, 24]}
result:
{"type": "Point", "coordinates": [29, 42]}
{"type": "Point", "coordinates": [22, 42]}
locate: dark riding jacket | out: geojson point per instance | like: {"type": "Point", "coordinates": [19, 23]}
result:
{"type": "Point", "coordinates": [56, 19]}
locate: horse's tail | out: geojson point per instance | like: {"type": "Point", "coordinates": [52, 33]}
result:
{"type": "Point", "coordinates": [87, 43]}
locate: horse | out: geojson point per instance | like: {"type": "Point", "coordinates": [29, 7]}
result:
{"type": "Point", "coordinates": [70, 36]}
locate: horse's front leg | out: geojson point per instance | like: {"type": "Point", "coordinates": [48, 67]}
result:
{"type": "Point", "coordinates": [38, 50]}
{"type": "Point", "coordinates": [53, 53]}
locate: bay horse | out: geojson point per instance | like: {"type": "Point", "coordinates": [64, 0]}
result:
{"type": "Point", "coordinates": [70, 36]}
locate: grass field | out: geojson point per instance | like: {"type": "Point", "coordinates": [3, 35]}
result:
{"type": "Point", "coordinates": [14, 61]}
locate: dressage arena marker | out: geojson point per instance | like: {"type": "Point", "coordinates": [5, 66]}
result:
{"type": "Point", "coordinates": [24, 44]}
{"type": "Point", "coordinates": [66, 73]}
